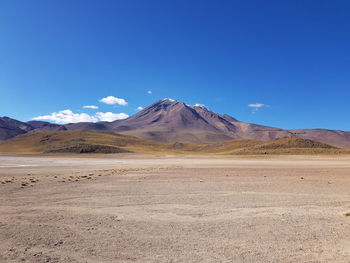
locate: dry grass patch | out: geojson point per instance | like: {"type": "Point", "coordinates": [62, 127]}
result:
{"type": "Point", "coordinates": [6, 181]}
{"type": "Point", "coordinates": [347, 213]}
{"type": "Point", "coordinates": [33, 179]}
{"type": "Point", "coordinates": [24, 183]}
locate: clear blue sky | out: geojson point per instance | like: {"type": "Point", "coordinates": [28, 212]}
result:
{"type": "Point", "coordinates": [293, 56]}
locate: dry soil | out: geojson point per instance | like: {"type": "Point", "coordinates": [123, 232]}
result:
{"type": "Point", "coordinates": [134, 208]}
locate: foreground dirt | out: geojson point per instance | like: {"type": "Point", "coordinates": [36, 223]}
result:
{"type": "Point", "coordinates": [127, 208]}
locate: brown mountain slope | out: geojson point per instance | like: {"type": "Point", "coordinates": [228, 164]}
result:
{"type": "Point", "coordinates": [291, 145]}
{"type": "Point", "coordinates": [10, 128]}
{"type": "Point", "coordinates": [335, 138]}
{"type": "Point", "coordinates": [70, 141]}
{"type": "Point", "coordinates": [106, 142]}
{"type": "Point", "coordinates": [173, 121]}
{"type": "Point", "coordinates": [292, 142]}
{"type": "Point", "coordinates": [76, 141]}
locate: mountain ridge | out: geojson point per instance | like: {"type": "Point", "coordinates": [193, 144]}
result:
{"type": "Point", "coordinates": [171, 121]}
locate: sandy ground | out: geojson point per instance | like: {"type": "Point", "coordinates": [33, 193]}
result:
{"type": "Point", "coordinates": [131, 208]}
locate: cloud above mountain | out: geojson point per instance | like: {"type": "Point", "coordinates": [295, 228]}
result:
{"type": "Point", "coordinates": [256, 106]}
{"type": "Point", "coordinates": [111, 100]}
{"type": "Point", "coordinates": [68, 116]}
{"type": "Point", "coordinates": [90, 107]}
{"type": "Point", "coordinates": [110, 116]}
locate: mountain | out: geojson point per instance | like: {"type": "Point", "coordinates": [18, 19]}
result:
{"type": "Point", "coordinates": [173, 121]}
{"type": "Point", "coordinates": [10, 128]}
{"type": "Point", "coordinates": [100, 126]}
{"type": "Point", "coordinates": [39, 126]}
{"type": "Point", "coordinates": [336, 138]}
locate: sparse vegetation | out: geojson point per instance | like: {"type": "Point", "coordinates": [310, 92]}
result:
{"type": "Point", "coordinates": [88, 148]}
{"type": "Point", "coordinates": [6, 181]}
{"type": "Point", "coordinates": [347, 213]}
{"type": "Point", "coordinates": [32, 179]}
{"type": "Point", "coordinates": [24, 183]}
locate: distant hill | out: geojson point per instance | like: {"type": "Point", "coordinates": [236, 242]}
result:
{"type": "Point", "coordinates": [291, 145]}
{"type": "Point", "coordinates": [10, 128]}
{"type": "Point", "coordinates": [172, 121]}
{"type": "Point", "coordinates": [75, 141]}
{"type": "Point", "coordinates": [336, 138]}
{"type": "Point", "coordinates": [71, 141]}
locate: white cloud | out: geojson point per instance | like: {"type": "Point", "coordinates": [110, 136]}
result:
{"type": "Point", "coordinates": [110, 116]}
{"type": "Point", "coordinates": [111, 100]}
{"type": "Point", "coordinates": [90, 107]}
{"type": "Point", "coordinates": [139, 108]}
{"type": "Point", "coordinates": [256, 105]}
{"type": "Point", "coordinates": [68, 116]}
{"type": "Point", "coordinates": [149, 92]}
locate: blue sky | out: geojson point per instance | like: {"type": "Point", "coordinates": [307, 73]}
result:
{"type": "Point", "coordinates": [291, 58]}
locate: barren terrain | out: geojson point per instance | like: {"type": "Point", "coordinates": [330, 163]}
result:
{"type": "Point", "coordinates": [143, 208]}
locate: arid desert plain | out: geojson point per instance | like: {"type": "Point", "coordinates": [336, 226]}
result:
{"type": "Point", "coordinates": [148, 208]}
